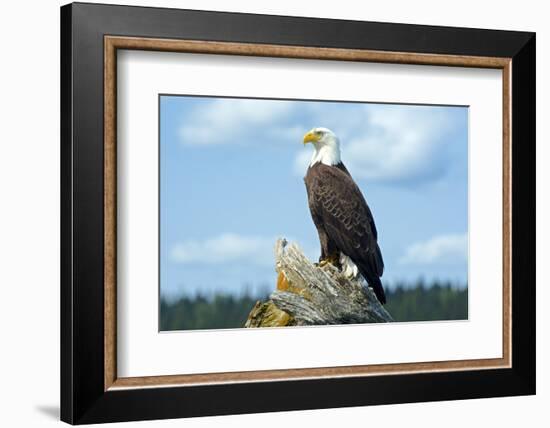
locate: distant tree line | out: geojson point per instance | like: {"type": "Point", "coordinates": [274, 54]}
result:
{"type": "Point", "coordinates": [435, 302]}
{"type": "Point", "coordinates": [419, 302]}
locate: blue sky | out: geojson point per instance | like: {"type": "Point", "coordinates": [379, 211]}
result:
{"type": "Point", "coordinates": [232, 182]}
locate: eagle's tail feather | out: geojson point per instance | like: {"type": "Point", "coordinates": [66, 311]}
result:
{"type": "Point", "coordinates": [374, 282]}
{"type": "Point", "coordinates": [376, 285]}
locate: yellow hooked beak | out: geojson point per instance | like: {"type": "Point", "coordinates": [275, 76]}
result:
{"type": "Point", "coordinates": [310, 137]}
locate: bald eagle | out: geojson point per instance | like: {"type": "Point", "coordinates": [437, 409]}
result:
{"type": "Point", "coordinates": [344, 222]}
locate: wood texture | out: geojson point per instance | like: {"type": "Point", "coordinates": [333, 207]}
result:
{"type": "Point", "coordinates": [301, 52]}
{"type": "Point", "coordinates": [507, 213]}
{"type": "Point", "coordinates": [110, 222]}
{"type": "Point", "coordinates": [112, 43]}
{"type": "Point", "coordinates": [314, 295]}
{"type": "Point", "coordinates": [309, 373]}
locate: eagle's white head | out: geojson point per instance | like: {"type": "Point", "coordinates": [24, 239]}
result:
{"type": "Point", "coordinates": [326, 145]}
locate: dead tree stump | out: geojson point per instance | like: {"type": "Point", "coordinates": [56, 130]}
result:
{"type": "Point", "coordinates": [308, 294]}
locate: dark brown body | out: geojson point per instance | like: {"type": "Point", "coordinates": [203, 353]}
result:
{"type": "Point", "coordinates": [344, 221]}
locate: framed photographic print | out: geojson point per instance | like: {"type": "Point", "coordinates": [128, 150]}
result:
{"type": "Point", "coordinates": [264, 213]}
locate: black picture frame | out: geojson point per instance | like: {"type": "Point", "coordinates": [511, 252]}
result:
{"type": "Point", "coordinates": [83, 398]}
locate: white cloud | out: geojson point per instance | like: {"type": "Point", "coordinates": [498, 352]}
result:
{"type": "Point", "coordinates": [229, 120]}
{"type": "Point", "coordinates": [450, 248]}
{"type": "Point", "coordinates": [391, 143]}
{"type": "Point", "coordinates": [401, 143]}
{"type": "Point", "coordinates": [384, 143]}
{"type": "Point", "coordinates": [225, 248]}
{"type": "Point", "coordinates": [232, 248]}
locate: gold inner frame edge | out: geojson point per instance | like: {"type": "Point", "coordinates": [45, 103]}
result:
{"type": "Point", "coordinates": [113, 43]}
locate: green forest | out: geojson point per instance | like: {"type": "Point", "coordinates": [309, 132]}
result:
{"type": "Point", "coordinates": [417, 302]}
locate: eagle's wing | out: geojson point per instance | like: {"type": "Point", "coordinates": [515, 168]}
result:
{"type": "Point", "coordinates": [347, 219]}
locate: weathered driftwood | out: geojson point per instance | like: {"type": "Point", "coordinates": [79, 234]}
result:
{"type": "Point", "coordinates": [308, 294]}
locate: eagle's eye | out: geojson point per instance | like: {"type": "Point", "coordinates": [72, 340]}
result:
{"type": "Point", "coordinates": [318, 132]}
